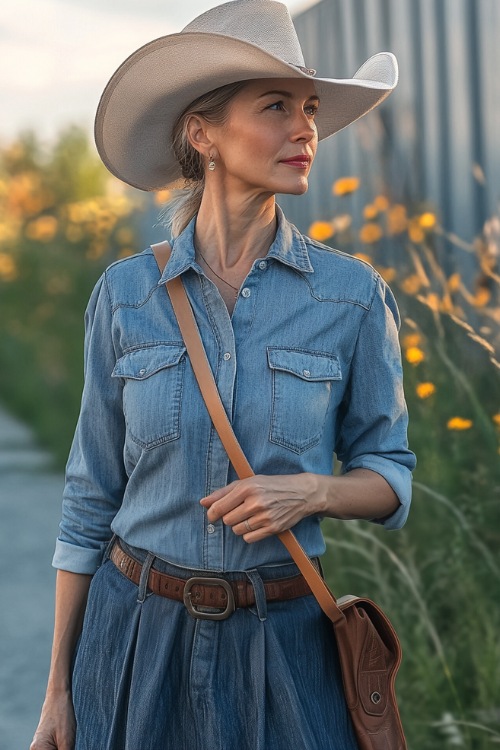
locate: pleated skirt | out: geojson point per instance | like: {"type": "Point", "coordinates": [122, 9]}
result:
{"type": "Point", "coordinates": [149, 676]}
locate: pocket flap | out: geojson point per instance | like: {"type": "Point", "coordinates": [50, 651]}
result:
{"type": "Point", "coordinates": [305, 364]}
{"type": "Point", "coordinates": [141, 363]}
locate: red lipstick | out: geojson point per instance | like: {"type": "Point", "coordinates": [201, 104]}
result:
{"type": "Point", "coordinates": [302, 161]}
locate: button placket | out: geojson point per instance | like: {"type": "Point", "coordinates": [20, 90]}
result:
{"type": "Point", "coordinates": [224, 369]}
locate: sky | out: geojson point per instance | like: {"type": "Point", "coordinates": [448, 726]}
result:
{"type": "Point", "coordinates": [56, 56]}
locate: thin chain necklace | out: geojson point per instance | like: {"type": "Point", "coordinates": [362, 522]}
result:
{"type": "Point", "coordinates": [215, 272]}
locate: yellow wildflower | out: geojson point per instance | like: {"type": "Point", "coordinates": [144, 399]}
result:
{"type": "Point", "coordinates": [388, 274]}
{"type": "Point", "coordinates": [424, 390]}
{"type": "Point", "coordinates": [321, 230]}
{"type": "Point", "coordinates": [496, 419]}
{"type": "Point", "coordinates": [454, 282]}
{"type": "Point", "coordinates": [482, 297]}
{"type": "Point", "coordinates": [381, 203]}
{"type": "Point", "coordinates": [370, 233]}
{"type": "Point", "coordinates": [412, 339]}
{"type": "Point", "coordinates": [370, 211]}
{"type": "Point", "coordinates": [414, 355]}
{"type": "Point", "coordinates": [412, 284]}
{"type": "Point", "coordinates": [78, 212]}
{"type": "Point", "coordinates": [345, 185]}
{"type": "Point", "coordinates": [427, 220]}
{"type": "Point", "coordinates": [397, 220]}
{"type": "Point", "coordinates": [415, 231]}
{"type": "Point", "coordinates": [8, 270]}
{"type": "Point", "coordinates": [458, 423]}
{"type": "Point", "coordinates": [162, 196]}
{"type": "Point", "coordinates": [433, 301]}
{"type": "Point", "coordinates": [42, 229]}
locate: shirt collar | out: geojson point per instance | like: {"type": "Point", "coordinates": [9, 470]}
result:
{"type": "Point", "coordinates": [289, 247]}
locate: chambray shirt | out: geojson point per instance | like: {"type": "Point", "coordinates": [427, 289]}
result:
{"type": "Point", "coordinates": [308, 365]}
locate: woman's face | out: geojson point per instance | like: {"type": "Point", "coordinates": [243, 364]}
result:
{"type": "Point", "coordinates": [269, 139]}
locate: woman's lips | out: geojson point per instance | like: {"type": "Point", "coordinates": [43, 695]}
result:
{"type": "Point", "coordinates": [302, 161]}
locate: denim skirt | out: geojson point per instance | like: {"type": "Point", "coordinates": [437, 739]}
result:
{"type": "Point", "coordinates": [150, 676]}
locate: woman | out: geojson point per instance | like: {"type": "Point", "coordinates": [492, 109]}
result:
{"type": "Point", "coordinates": [303, 344]}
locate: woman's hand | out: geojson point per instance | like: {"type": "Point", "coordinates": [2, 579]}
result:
{"type": "Point", "coordinates": [262, 505]}
{"type": "Point", "coordinates": [56, 728]}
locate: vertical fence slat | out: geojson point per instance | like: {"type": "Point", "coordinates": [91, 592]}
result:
{"type": "Point", "coordinates": [443, 118]}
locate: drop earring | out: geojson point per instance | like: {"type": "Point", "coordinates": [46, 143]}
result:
{"type": "Point", "coordinates": [211, 164]}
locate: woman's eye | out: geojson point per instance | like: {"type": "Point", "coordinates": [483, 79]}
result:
{"type": "Point", "coordinates": [277, 105]}
{"type": "Point", "coordinates": [311, 110]}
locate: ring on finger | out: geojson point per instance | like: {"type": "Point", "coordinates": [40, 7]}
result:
{"type": "Point", "coordinates": [247, 525]}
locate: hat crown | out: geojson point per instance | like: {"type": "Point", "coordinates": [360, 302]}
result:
{"type": "Point", "coordinates": [265, 23]}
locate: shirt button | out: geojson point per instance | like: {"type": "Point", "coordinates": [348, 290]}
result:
{"type": "Point", "coordinates": [142, 372]}
{"type": "Point", "coordinates": [263, 265]}
{"type": "Point", "coordinates": [227, 356]}
{"type": "Point", "coordinates": [307, 373]}
{"type": "Point", "coordinates": [210, 528]}
{"type": "Point", "coordinates": [245, 292]}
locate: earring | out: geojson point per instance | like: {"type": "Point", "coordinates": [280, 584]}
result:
{"type": "Point", "coordinates": [211, 164]}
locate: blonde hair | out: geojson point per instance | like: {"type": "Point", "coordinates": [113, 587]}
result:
{"type": "Point", "coordinates": [212, 107]}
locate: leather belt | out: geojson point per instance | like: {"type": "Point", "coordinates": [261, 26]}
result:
{"type": "Point", "coordinates": [209, 592]}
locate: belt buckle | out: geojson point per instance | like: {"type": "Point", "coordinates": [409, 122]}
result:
{"type": "Point", "coordinates": [191, 607]}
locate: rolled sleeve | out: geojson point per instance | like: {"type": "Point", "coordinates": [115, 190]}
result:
{"type": "Point", "coordinates": [373, 419]}
{"type": "Point", "coordinates": [95, 473]}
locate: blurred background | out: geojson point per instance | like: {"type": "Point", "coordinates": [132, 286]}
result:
{"type": "Point", "coordinates": [413, 188]}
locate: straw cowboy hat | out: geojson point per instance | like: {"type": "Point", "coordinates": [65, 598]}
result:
{"type": "Point", "coordinates": [237, 41]}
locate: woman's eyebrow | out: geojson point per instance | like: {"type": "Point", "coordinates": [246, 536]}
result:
{"type": "Point", "coordinates": [286, 94]}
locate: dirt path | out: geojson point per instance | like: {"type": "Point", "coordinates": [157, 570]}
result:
{"type": "Point", "coordinates": [30, 502]}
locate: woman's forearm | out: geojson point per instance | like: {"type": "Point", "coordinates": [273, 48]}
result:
{"type": "Point", "coordinates": [361, 493]}
{"type": "Point", "coordinates": [263, 505]}
{"type": "Point", "coordinates": [71, 600]}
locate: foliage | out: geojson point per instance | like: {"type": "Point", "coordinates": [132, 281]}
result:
{"type": "Point", "coordinates": [62, 220]}
{"type": "Point", "coordinates": [438, 577]}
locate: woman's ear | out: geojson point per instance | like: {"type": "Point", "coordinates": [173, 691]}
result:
{"type": "Point", "coordinates": [197, 133]}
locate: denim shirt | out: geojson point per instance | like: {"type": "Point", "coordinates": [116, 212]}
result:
{"type": "Point", "coordinates": [308, 365]}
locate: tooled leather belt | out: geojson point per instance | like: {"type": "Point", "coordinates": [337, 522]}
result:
{"type": "Point", "coordinates": [213, 592]}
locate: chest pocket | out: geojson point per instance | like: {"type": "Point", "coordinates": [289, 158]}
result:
{"type": "Point", "coordinates": [302, 383]}
{"type": "Point", "coordinates": [152, 393]}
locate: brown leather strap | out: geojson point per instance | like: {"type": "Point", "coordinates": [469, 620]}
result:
{"type": "Point", "coordinates": [210, 392]}
{"type": "Point", "coordinates": [208, 595]}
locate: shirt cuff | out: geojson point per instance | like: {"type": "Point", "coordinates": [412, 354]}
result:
{"type": "Point", "coordinates": [399, 478]}
{"type": "Point", "coordinates": [77, 559]}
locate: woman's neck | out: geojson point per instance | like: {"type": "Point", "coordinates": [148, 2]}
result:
{"type": "Point", "coordinates": [231, 232]}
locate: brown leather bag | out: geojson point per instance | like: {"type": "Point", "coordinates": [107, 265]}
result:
{"type": "Point", "coordinates": [369, 649]}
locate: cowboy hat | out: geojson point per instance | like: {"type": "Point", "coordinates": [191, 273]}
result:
{"type": "Point", "coordinates": [237, 41]}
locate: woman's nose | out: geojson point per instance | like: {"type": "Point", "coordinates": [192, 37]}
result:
{"type": "Point", "coordinates": [304, 128]}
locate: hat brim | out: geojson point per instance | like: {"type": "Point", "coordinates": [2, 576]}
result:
{"type": "Point", "coordinates": [144, 97]}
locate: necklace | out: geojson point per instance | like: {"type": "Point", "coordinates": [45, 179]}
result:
{"type": "Point", "coordinates": [215, 272]}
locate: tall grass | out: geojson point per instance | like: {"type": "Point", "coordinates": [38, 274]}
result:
{"type": "Point", "coordinates": [439, 577]}
{"type": "Point", "coordinates": [62, 220]}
